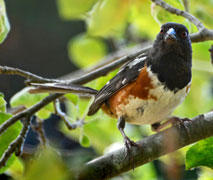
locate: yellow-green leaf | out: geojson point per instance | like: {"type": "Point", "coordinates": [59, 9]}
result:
{"type": "Point", "coordinates": [74, 9]}
{"type": "Point", "coordinates": [24, 98]}
{"type": "Point", "coordinates": [7, 137]}
{"type": "Point", "coordinates": [86, 51]}
{"type": "Point", "coordinates": [2, 103]}
{"type": "Point", "coordinates": [107, 17]}
{"type": "Point", "coordinates": [4, 23]}
{"type": "Point", "coordinates": [200, 154]}
{"type": "Point", "coordinates": [84, 141]}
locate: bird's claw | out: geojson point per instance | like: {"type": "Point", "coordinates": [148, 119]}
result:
{"type": "Point", "coordinates": [128, 145]}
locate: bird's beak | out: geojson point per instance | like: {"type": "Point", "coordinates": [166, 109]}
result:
{"type": "Point", "coordinates": [170, 36]}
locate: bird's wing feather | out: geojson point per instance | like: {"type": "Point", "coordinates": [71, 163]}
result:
{"type": "Point", "coordinates": [127, 74]}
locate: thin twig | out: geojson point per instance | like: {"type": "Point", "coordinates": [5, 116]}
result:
{"type": "Point", "coordinates": [28, 75]}
{"type": "Point", "coordinates": [17, 145]}
{"type": "Point", "coordinates": [150, 148]}
{"type": "Point", "coordinates": [186, 5]}
{"type": "Point", "coordinates": [64, 117]}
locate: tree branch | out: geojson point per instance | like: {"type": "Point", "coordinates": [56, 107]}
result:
{"type": "Point", "coordinates": [150, 148]}
{"type": "Point", "coordinates": [63, 116]}
{"type": "Point", "coordinates": [28, 75]}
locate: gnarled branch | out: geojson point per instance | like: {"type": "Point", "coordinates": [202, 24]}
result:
{"type": "Point", "coordinates": [150, 148]}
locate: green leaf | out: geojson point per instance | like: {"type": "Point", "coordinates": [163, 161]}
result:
{"type": "Point", "coordinates": [74, 9]}
{"type": "Point", "coordinates": [108, 17]}
{"type": "Point", "coordinates": [84, 141]}
{"type": "Point", "coordinates": [4, 23]}
{"type": "Point", "coordinates": [86, 51]}
{"type": "Point", "coordinates": [83, 107]}
{"type": "Point", "coordinates": [202, 9]}
{"type": "Point", "coordinates": [79, 110]}
{"type": "Point", "coordinates": [200, 50]}
{"type": "Point", "coordinates": [16, 170]}
{"type": "Point", "coordinates": [200, 154]}
{"type": "Point", "coordinates": [142, 21]}
{"type": "Point", "coordinates": [7, 137]}
{"type": "Point", "coordinates": [2, 103]}
{"type": "Point", "coordinates": [24, 98]}
{"type": "Point", "coordinates": [72, 97]}
{"type": "Point", "coordinates": [46, 165]}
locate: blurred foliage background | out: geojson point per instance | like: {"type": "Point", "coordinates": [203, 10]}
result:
{"type": "Point", "coordinates": [53, 38]}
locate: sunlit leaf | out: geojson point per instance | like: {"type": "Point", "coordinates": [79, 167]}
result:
{"type": "Point", "coordinates": [206, 174]}
{"type": "Point", "coordinates": [72, 9]}
{"type": "Point", "coordinates": [200, 50]}
{"type": "Point", "coordinates": [200, 154]}
{"type": "Point", "coordinates": [7, 137]}
{"type": "Point", "coordinates": [16, 169]}
{"type": "Point", "coordinates": [108, 17]}
{"type": "Point", "coordinates": [83, 107]}
{"type": "Point", "coordinates": [72, 97]}
{"type": "Point", "coordinates": [24, 98]}
{"type": "Point", "coordinates": [142, 22]}
{"type": "Point", "coordinates": [2, 103]}
{"type": "Point", "coordinates": [72, 111]}
{"type": "Point", "coordinates": [202, 9]}
{"type": "Point", "coordinates": [4, 23]}
{"type": "Point", "coordinates": [85, 51]}
{"type": "Point", "coordinates": [146, 171]}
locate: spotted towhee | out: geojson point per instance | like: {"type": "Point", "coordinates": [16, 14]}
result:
{"type": "Point", "coordinates": [148, 89]}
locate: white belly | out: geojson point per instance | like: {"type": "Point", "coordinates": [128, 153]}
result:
{"type": "Point", "coordinates": [138, 111]}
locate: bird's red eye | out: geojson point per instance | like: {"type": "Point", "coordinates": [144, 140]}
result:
{"type": "Point", "coordinates": [184, 34]}
{"type": "Point", "coordinates": [161, 31]}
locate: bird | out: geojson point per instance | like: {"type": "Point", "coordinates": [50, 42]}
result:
{"type": "Point", "coordinates": [147, 89]}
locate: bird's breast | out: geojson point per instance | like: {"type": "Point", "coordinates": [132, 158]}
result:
{"type": "Point", "coordinates": [146, 100]}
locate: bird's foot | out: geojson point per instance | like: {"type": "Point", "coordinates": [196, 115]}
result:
{"type": "Point", "coordinates": [176, 121]}
{"type": "Point", "coordinates": [179, 121]}
{"type": "Point", "coordinates": [128, 145]}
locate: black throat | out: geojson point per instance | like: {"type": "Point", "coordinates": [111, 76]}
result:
{"type": "Point", "coordinates": [172, 69]}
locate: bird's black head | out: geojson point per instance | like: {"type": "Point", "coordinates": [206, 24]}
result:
{"type": "Point", "coordinates": [171, 56]}
{"type": "Point", "coordinates": [173, 38]}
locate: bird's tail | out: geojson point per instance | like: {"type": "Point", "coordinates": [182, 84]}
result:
{"type": "Point", "coordinates": [61, 88]}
